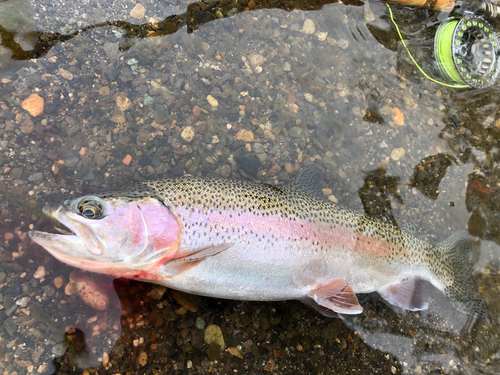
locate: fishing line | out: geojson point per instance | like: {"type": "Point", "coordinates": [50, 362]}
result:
{"type": "Point", "coordinates": [444, 48]}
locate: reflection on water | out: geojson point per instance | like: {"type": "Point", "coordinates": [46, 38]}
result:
{"type": "Point", "coordinates": [158, 90]}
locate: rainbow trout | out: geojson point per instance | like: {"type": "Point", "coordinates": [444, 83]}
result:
{"type": "Point", "coordinates": [254, 241]}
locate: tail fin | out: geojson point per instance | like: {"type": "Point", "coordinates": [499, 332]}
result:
{"type": "Point", "coordinates": [459, 285]}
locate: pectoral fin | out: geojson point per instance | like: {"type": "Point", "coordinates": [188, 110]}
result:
{"type": "Point", "coordinates": [337, 296]}
{"type": "Point", "coordinates": [409, 295]}
{"type": "Point", "coordinates": [176, 266]}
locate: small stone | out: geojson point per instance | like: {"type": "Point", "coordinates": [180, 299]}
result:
{"type": "Point", "coordinates": [138, 12]}
{"type": "Point", "coordinates": [58, 282]}
{"type": "Point", "coordinates": [213, 334]}
{"type": "Point", "coordinates": [90, 291]}
{"type": "Point", "coordinates": [143, 358]}
{"type": "Point", "coordinates": [123, 102]}
{"type": "Point", "coordinates": [295, 132]}
{"type": "Point", "coordinates": [309, 97]}
{"type": "Point", "coordinates": [235, 352]}
{"type": "Point", "coordinates": [274, 171]}
{"type": "Point", "coordinates": [249, 163]}
{"type": "Point", "coordinates": [327, 192]}
{"type": "Point", "coordinates": [343, 43]}
{"type": "Point", "coordinates": [127, 159]}
{"type": "Point", "coordinates": [100, 160]}
{"type": "Point", "coordinates": [212, 101]}
{"type": "Point", "coordinates": [245, 135]}
{"type": "Point", "coordinates": [322, 36]}
{"type": "Point", "coordinates": [397, 154]}
{"type": "Point", "coordinates": [200, 323]}
{"type": "Point", "coordinates": [36, 177]}
{"type": "Point", "coordinates": [104, 91]}
{"type": "Point", "coordinates": [398, 117]}
{"type": "Point", "coordinates": [188, 134]}
{"type": "Point", "coordinates": [148, 101]}
{"type": "Point", "coordinates": [67, 75]}
{"type": "Point", "coordinates": [309, 27]}
{"type": "Point", "coordinates": [118, 118]}
{"type": "Point", "coordinates": [196, 111]}
{"type": "Point", "coordinates": [157, 292]}
{"type": "Point", "coordinates": [184, 300]}
{"type": "Point", "coordinates": [256, 59]}
{"type": "Point", "coordinates": [16, 173]}
{"type": "Point", "coordinates": [289, 168]}
{"type": "Point", "coordinates": [33, 105]}
{"type": "Point", "coordinates": [287, 67]}
{"type": "Point", "coordinates": [40, 272]}
{"type": "Point", "coordinates": [105, 359]}
{"type": "Point", "coordinates": [28, 126]}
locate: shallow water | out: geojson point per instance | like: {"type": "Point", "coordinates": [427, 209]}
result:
{"type": "Point", "coordinates": [329, 86]}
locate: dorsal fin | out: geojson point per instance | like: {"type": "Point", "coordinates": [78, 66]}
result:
{"type": "Point", "coordinates": [308, 180]}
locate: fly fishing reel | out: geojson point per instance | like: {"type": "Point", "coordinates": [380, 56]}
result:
{"type": "Point", "coordinates": [466, 51]}
{"type": "Point", "coordinates": [466, 46]}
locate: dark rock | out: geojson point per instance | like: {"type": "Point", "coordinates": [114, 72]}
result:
{"type": "Point", "coordinates": [249, 163]}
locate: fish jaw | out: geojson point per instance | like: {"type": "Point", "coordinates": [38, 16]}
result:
{"type": "Point", "coordinates": [68, 249]}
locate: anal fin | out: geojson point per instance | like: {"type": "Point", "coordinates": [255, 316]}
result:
{"type": "Point", "coordinates": [337, 296]}
{"type": "Point", "coordinates": [409, 294]}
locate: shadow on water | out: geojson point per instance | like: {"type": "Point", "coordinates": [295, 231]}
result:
{"type": "Point", "coordinates": [120, 97]}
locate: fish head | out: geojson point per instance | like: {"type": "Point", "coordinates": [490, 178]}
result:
{"type": "Point", "coordinates": [112, 234]}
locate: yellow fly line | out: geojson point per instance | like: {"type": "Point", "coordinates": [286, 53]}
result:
{"type": "Point", "coordinates": [444, 53]}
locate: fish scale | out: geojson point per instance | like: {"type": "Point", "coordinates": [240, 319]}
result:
{"type": "Point", "coordinates": [254, 241]}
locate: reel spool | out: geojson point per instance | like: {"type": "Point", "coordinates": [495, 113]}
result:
{"type": "Point", "coordinates": [466, 51]}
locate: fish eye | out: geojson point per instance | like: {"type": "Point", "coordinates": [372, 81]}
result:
{"type": "Point", "coordinates": [91, 208]}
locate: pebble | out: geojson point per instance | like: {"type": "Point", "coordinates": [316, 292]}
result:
{"type": "Point", "coordinates": [274, 171]}
{"type": "Point", "coordinates": [196, 111]}
{"type": "Point", "coordinates": [127, 159]}
{"type": "Point", "coordinates": [138, 12]}
{"type": "Point", "coordinates": [249, 163]}
{"type": "Point", "coordinates": [35, 177]}
{"type": "Point", "coordinates": [118, 118]}
{"type": "Point", "coordinates": [142, 359]}
{"type": "Point", "coordinates": [235, 352]}
{"type": "Point", "coordinates": [295, 132]}
{"type": "Point", "coordinates": [343, 43]}
{"type": "Point", "coordinates": [256, 59]}
{"type": "Point", "coordinates": [309, 27]}
{"type": "Point", "coordinates": [188, 134]}
{"type": "Point", "coordinates": [89, 291]}
{"type": "Point", "coordinates": [58, 282]}
{"type": "Point", "coordinates": [100, 160]}
{"type": "Point", "coordinates": [157, 292]}
{"type": "Point", "coordinates": [309, 97]}
{"type": "Point", "coordinates": [23, 302]}
{"type": "Point", "coordinates": [327, 192]}
{"type": "Point", "coordinates": [245, 135]}
{"type": "Point", "coordinates": [213, 334]}
{"type": "Point", "coordinates": [27, 126]}
{"type": "Point", "coordinates": [123, 102]}
{"type": "Point", "coordinates": [397, 154]}
{"type": "Point", "coordinates": [104, 91]}
{"type": "Point", "coordinates": [148, 101]}
{"type": "Point", "coordinates": [287, 67]}
{"type": "Point", "coordinates": [67, 75]}
{"type": "Point", "coordinates": [40, 272]}
{"type": "Point", "coordinates": [398, 117]}
{"type": "Point", "coordinates": [16, 173]}
{"type": "Point", "coordinates": [322, 36]}
{"type": "Point", "coordinates": [33, 105]}
{"type": "Point", "coordinates": [212, 101]}
{"type": "Point", "coordinates": [200, 323]}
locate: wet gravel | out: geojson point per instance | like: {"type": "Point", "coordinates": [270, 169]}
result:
{"type": "Point", "coordinates": [251, 95]}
